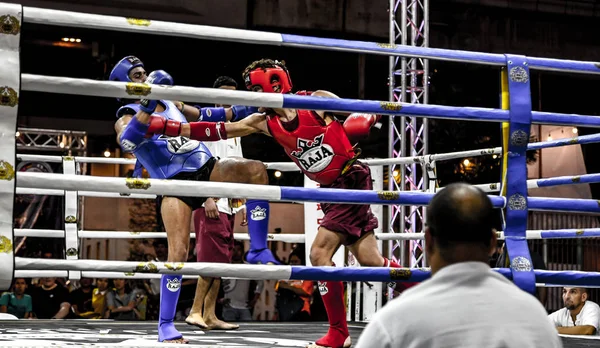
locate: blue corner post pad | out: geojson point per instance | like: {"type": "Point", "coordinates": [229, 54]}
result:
{"type": "Point", "coordinates": [516, 176]}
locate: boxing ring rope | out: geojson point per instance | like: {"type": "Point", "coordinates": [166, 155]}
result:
{"type": "Point", "coordinates": [273, 193]}
{"type": "Point", "coordinates": [295, 238]}
{"type": "Point", "coordinates": [259, 272]}
{"type": "Point", "coordinates": [130, 25]}
{"type": "Point", "coordinates": [69, 184]}
{"type": "Point", "coordinates": [78, 86]}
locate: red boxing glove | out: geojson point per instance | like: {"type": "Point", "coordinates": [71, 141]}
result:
{"type": "Point", "coordinates": [160, 125]}
{"type": "Point", "coordinates": [208, 131]}
{"type": "Point", "coordinates": [358, 126]}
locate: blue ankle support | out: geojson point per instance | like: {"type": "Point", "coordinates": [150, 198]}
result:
{"type": "Point", "coordinates": [258, 223]}
{"type": "Point", "coordinates": [170, 287]}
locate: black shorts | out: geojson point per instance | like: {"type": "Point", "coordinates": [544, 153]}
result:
{"type": "Point", "coordinates": [202, 174]}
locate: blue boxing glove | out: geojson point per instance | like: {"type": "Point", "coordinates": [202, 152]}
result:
{"type": "Point", "coordinates": [148, 106]}
{"type": "Point", "coordinates": [160, 77]}
{"type": "Point", "coordinates": [241, 112]}
{"type": "Point", "coordinates": [157, 77]}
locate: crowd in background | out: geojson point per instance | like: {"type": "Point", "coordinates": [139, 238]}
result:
{"type": "Point", "coordinates": [129, 299]}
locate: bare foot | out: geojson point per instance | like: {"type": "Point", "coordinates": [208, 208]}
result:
{"type": "Point", "coordinates": [195, 319]}
{"type": "Point", "coordinates": [216, 324]}
{"type": "Point", "coordinates": [178, 341]}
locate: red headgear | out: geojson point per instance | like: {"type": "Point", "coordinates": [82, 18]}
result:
{"type": "Point", "coordinates": [264, 77]}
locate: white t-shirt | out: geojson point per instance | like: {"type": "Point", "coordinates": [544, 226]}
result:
{"type": "Point", "coordinates": [589, 315]}
{"type": "Point", "coordinates": [231, 147]}
{"type": "Point", "coordinates": [463, 305]}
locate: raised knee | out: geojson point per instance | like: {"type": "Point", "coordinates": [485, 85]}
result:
{"type": "Point", "coordinates": [258, 173]}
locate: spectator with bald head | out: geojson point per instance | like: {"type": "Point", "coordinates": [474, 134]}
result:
{"type": "Point", "coordinates": [580, 316]}
{"type": "Point", "coordinates": [465, 303]}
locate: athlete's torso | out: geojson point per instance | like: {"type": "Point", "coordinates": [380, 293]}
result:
{"type": "Point", "coordinates": [320, 150]}
{"type": "Point", "coordinates": [164, 157]}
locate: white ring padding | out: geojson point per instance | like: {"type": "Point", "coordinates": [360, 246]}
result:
{"type": "Point", "coordinates": [289, 166]}
{"type": "Point", "coordinates": [94, 21]}
{"type": "Point", "coordinates": [257, 272]}
{"type": "Point", "coordinates": [44, 233]}
{"type": "Point", "coordinates": [112, 89]}
{"type": "Point", "coordinates": [97, 275]}
{"type": "Point", "coordinates": [156, 186]}
{"type": "Point", "coordinates": [48, 192]}
{"type": "Point", "coordinates": [286, 238]}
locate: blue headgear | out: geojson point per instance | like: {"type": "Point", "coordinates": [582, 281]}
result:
{"type": "Point", "coordinates": [121, 70]}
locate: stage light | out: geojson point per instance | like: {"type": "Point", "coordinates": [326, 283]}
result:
{"type": "Point", "coordinates": [277, 174]}
{"type": "Point", "coordinates": [107, 153]}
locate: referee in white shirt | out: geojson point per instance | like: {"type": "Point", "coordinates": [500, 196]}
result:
{"type": "Point", "coordinates": [465, 303]}
{"type": "Point", "coordinates": [579, 316]}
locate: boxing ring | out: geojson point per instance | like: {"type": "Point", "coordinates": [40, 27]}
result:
{"type": "Point", "coordinates": [516, 113]}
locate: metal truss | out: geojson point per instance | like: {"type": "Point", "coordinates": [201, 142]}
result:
{"type": "Point", "coordinates": [69, 142]}
{"type": "Point", "coordinates": [408, 83]}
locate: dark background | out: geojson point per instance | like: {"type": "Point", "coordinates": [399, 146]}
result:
{"type": "Point", "coordinates": [559, 32]}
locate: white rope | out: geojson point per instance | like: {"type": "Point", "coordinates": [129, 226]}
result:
{"type": "Point", "coordinates": [94, 21]}
{"type": "Point", "coordinates": [97, 275]}
{"type": "Point", "coordinates": [66, 85]}
{"type": "Point", "coordinates": [48, 192]}
{"type": "Point", "coordinates": [257, 272]}
{"type": "Point", "coordinates": [149, 186]}
{"type": "Point", "coordinates": [290, 166]}
{"type": "Point", "coordinates": [286, 238]}
{"type": "Point", "coordinates": [45, 233]}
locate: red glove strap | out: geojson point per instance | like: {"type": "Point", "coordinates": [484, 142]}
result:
{"type": "Point", "coordinates": [172, 128]}
{"type": "Point", "coordinates": [156, 126]}
{"type": "Point", "coordinates": [207, 131]}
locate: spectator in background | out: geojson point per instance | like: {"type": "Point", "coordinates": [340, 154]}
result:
{"type": "Point", "coordinates": [99, 297]}
{"type": "Point", "coordinates": [213, 225]}
{"type": "Point", "coordinates": [239, 295]}
{"type": "Point", "coordinates": [580, 315]}
{"type": "Point", "coordinates": [122, 302]}
{"type": "Point", "coordinates": [50, 300]}
{"type": "Point", "coordinates": [294, 297]}
{"type": "Point", "coordinates": [17, 302]}
{"type": "Point", "coordinates": [81, 301]}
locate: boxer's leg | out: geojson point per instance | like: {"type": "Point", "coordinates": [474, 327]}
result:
{"type": "Point", "coordinates": [367, 253]}
{"type": "Point", "coordinates": [324, 246]}
{"type": "Point", "coordinates": [240, 170]}
{"type": "Point", "coordinates": [176, 217]}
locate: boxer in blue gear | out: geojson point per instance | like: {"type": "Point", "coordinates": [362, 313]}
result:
{"type": "Point", "coordinates": [176, 158]}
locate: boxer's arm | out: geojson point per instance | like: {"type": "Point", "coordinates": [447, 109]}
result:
{"type": "Point", "coordinates": [209, 131]}
{"type": "Point", "coordinates": [328, 114]}
{"type": "Point", "coordinates": [132, 133]}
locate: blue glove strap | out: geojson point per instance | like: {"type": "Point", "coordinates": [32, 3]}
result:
{"type": "Point", "coordinates": [241, 112]}
{"type": "Point", "coordinates": [133, 135]}
{"type": "Point", "coordinates": [212, 114]}
{"type": "Point", "coordinates": [148, 106]}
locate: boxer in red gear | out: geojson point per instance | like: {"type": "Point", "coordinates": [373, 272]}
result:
{"type": "Point", "coordinates": [318, 143]}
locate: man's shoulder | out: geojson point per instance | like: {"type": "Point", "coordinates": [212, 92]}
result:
{"type": "Point", "coordinates": [592, 306]}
